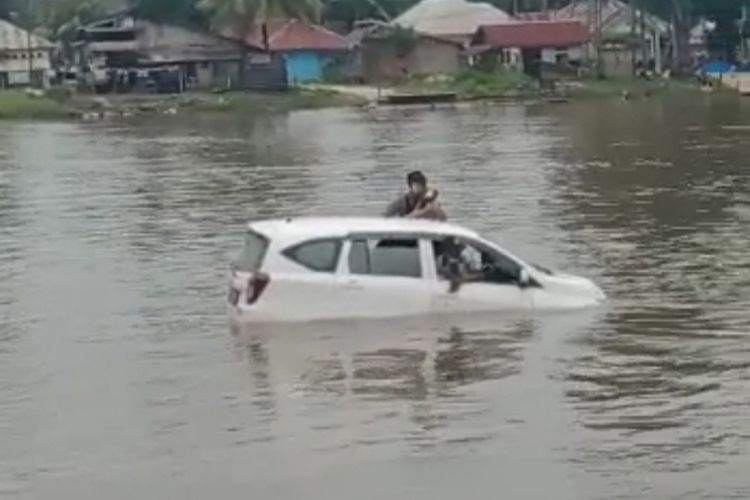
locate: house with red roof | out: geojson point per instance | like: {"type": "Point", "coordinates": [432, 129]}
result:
{"type": "Point", "coordinates": [531, 46]}
{"type": "Point", "coordinates": [309, 51]}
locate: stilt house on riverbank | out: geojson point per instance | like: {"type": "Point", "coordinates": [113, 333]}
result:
{"type": "Point", "coordinates": [122, 53]}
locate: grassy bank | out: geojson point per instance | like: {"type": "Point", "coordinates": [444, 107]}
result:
{"type": "Point", "coordinates": [474, 84]}
{"type": "Point", "coordinates": [21, 105]}
{"type": "Point", "coordinates": [624, 87]}
{"type": "Point", "coordinates": [17, 105]}
{"type": "Point", "coordinates": [252, 102]}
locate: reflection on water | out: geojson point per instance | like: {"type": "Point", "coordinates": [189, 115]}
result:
{"type": "Point", "coordinates": [118, 377]}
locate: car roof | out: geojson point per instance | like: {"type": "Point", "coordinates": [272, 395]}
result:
{"type": "Point", "coordinates": [339, 227]}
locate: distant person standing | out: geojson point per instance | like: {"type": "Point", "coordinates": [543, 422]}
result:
{"type": "Point", "coordinates": [419, 202]}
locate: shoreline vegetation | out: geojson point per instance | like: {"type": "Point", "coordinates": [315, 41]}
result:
{"type": "Point", "coordinates": [469, 86]}
{"type": "Point", "coordinates": [53, 105]}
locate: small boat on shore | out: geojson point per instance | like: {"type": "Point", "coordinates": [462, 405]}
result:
{"type": "Point", "coordinates": [419, 98]}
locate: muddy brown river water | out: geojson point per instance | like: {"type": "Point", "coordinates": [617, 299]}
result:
{"type": "Point", "coordinates": [121, 378]}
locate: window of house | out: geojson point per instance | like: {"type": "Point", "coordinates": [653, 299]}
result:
{"type": "Point", "coordinates": [319, 255]}
{"type": "Point", "coordinates": [386, 257]}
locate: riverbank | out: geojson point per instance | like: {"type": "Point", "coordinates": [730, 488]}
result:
{"type": "Point", "coordinates": [36, 105]}
{"type": "Point", "coordinates": [502, 86]}
{"type": "Point", "coordinates": [468, 86]}
{"type": "Point", "coordinates": [22, 105]}
{"type": "Point", "coordinates": [477, 85]}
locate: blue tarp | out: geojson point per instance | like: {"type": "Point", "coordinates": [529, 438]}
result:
{"type": "Point", "coordinates": [717, 67]}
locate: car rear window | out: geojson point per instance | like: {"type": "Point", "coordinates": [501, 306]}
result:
{"type": "Point", "coordinates": [253, 252]}
{"type": "Point", "coordinates": [319, 255]}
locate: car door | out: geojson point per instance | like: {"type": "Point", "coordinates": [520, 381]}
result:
{"type": "Point", "coordinates": [499, 291]}
{"type": "Point", "coordinates": [303, 283]}
{"type": "Point", "coordinates": [384, 276]}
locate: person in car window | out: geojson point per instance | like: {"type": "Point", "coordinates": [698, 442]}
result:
{"type": "Point", "coordinates": [419, 202]}
{"type": "Point", "coordinates": [458, 263]}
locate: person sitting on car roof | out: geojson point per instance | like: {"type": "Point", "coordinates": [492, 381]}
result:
{"type": "Point", "coordinates": [419, 202]}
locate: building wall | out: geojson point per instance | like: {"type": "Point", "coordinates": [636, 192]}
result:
{"type": "Point", "coordinates": [617, 62]}
{"type": "Point", "coordinates": [432, 57]}
{"type": "Point", "coordinates": [211, 74]}
{"type": "Point", "coordinates": [303, 67]}
{"type": "Point", "coordinates": [381, 63]}
{"type": "Point", "coordinates": [14, 66]}
{"type": "Point", "coordinates": [266, 72]}
{"type": "Point", "coordinates": [551, 55]}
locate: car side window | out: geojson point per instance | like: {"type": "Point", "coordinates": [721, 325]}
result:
{"type": "Point", "coordinates": [318, 255]}
{"type": "Point", "coordinates": [472, 261]}
{"type": "Point", "coordinates": [386, 257]}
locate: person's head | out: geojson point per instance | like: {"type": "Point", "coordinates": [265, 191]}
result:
{"type": "Point", "coordinates": [417, 183]}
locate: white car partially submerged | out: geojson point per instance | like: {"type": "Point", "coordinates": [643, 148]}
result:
{"type": "Point", "coordinates": [339, 268]}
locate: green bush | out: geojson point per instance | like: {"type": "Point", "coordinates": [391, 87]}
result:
{"type": "Point", "coordinates": [473, 83]}
{"type": "Point", "coordinates": [476, 83]}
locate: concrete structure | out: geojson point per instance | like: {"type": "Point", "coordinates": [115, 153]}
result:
{"type": "Point", "coordinates": [392, 54]}
{"type": "Point", "coordinates": [739, 81]}
{"type": "Point", "coordinates": [25, 59]}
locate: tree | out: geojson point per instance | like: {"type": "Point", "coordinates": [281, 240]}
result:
{"type": "Point", "coordinates": [684, 14]}
{"type": "Point", "coordinates": [241, 18]}
{"type": "Point", "coordinates": [346, 13]}
{"type": "Point", "coordinates": [180, 12]}
{"type": "Point", "coordinates": [62, 18]}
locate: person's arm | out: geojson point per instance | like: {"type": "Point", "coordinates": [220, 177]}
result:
{"type": "Point", "coordinates": [432, 210]}
{"type": "Point", "coordinates": [395, 208]}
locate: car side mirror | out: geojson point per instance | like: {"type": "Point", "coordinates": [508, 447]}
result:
{"type": "Point", "coordinates": [524, 279]}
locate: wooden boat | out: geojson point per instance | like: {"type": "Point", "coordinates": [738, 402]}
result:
{"type": "Point", "coordinates": [419, 98]}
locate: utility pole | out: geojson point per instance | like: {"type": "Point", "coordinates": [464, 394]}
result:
{"type": "Point", "coordinates": [644, 45]}
{"type": "Point", "coordinates": [29, 48]}
{"type": "Point", "coordinates": [743, 25]}
{"type": "Point", "coordinates": [30, 55]}
{"type": "Point", "coordinates": [595, 21]}
{"type": "Point", "coordinates": [633, 36]}
{"type": "Point", "coordinates": [25, 23]}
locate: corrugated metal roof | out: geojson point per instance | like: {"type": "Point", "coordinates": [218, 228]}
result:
{"type": "Point", "coordinates": [291, 34]}
{"type": "Point", "coordinates": [13, 37]}
{"type": "Point", "coordinates": [451, 17]}
{"type": "Point", "coordinates": [530, 35]}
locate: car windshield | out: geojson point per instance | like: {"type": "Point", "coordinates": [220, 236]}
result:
{"type": "Point", "coordinates": [253, 252]}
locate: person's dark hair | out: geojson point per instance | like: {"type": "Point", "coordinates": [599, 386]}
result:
{"type": "Point", "coordinates": [416, 177]}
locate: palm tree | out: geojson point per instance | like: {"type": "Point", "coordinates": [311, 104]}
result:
{"type": "Point", "coordinates": [242, 17]}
